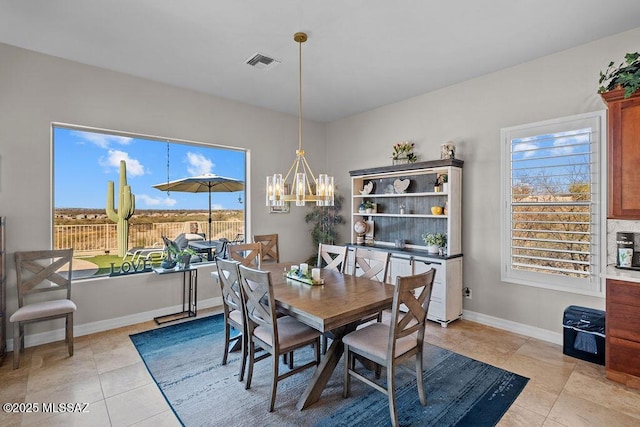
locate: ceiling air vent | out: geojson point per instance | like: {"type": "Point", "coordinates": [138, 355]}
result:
{"type": "Point", "coordinates": [261, 62]}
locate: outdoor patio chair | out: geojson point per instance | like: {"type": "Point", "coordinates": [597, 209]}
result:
{"type": "Point", "coordinates": [390, 345]}
{"type": "Point", "coordinates": [182, 241]}
{"type": "Point", "coordinates": [37, 272]}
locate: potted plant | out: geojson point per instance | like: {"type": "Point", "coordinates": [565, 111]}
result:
{"type": "Point", "coordinates": [444, 181]}
{"type": "Point", "coordinates": [369, 206]}
{"type": "Point", "coordinates": [625, 76]}
{"type": "Point", "coordinates": [403, 153]}
{"type": "Point", "coordinates": [434, 242]}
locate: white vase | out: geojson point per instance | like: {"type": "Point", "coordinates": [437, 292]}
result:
{"type": "Point", "coordinates": [432, 249]}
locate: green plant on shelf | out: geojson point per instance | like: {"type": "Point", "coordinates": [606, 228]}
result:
{"type": "Point", "coordinates": [435, 239]}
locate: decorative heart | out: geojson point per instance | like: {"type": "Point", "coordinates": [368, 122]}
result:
{"type": "Point", "coordinates": [367, 188]}
{"type": "Point", "coordinates": [401, 185]}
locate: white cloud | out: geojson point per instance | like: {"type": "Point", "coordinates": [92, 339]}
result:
{"type": "Point", "coordinates": [522, 147]}
{"type": "Point", "coordinates": [103, 140]}
{"type": "Point", "coordinates": [198, 164]}
{"type": "Point", "coordinates": [155, 201]}
{"type": "Point", "coordinates": [134, 167]}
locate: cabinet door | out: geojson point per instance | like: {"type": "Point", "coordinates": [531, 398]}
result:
{"type": "Point", "coordinates": [623, 156]}
{"type": "Point", "coordinates": [438, 303]}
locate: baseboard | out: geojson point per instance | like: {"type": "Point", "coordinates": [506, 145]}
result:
{"type": "Point", "coordinates": [105, 325]}
{"type": "Point", "coordinates": [518, 328]}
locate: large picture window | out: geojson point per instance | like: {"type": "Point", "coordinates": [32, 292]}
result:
{"type": "Point", "coordinates": [85, 160]}
{"type": "Point", "coordinates": [551, 221]}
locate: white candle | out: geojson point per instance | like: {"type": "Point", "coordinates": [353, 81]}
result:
{"type": "Point", "coordinates": [304, 268]}
{"type": "Point", "coordinates": [315, 274]}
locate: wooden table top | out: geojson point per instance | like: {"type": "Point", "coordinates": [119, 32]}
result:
{"type": "Point", "coordinates": [342, 299]}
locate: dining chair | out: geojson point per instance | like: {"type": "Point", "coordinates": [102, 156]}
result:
{"type": "Point", "coordinates": [373, 265]}
{"type": "Point", "coordinates": [270, 252]}
{"type": "Point", "coordinates": [332, 257]}
{"type": "Point", "coordinates": [248, 254]}
{"type": "Point", "coordinates": [390, 345]}
{"type": "Point", "coordinates": [276, 335]}
{"type": "Point", "coordinates": [233, 307]}
{"type": "Point", "coordinates": [42, 271]}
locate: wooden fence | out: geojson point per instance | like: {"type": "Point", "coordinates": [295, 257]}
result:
{"type": "Point", "coordinates": [101, 239]}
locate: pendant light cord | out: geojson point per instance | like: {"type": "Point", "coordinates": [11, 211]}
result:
{"type": "Point", "coordinates": [300, 94]}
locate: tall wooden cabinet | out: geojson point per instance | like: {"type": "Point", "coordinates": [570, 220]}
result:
{"type": "Point", "coordinates": [403, 196]}
{"type": "Point", "coordinates": [3, 293]}
{"type": "Point", "coordinates": [623, 154]}
{"type": "Point", "coordinates": [622, 332]}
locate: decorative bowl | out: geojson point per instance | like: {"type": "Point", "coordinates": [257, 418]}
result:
{"type": "Point", "coordinates": [436, 210]}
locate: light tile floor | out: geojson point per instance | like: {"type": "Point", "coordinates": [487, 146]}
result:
{"type": "Point", "coordinates": [107, 373]}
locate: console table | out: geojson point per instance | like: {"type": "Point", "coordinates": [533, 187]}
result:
{"type": "Point", "coordinates": [189, 294]}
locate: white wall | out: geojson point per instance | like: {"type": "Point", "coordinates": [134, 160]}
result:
{"type": "Point", "coordinates": [471, 114]}
{"type": "Point", "coordinates": [36, 90]}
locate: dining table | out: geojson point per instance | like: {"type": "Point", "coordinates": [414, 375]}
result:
{"type": "Point", "coordinates": [335, 306]}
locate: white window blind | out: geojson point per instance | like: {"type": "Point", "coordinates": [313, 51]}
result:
{"type": "Point", "coordinates": [552, 209]}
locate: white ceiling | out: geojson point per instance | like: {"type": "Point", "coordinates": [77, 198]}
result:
{"type": "Point", "coordinates": [361, 54]}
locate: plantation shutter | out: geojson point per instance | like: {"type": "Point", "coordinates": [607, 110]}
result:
{"type": "Point", "coordinates": [552, 208]}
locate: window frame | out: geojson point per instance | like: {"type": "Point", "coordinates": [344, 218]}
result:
{"type": "Point", "coordinates": [159, 139]}
{"type": "Point", "coordinates": [594, 284]}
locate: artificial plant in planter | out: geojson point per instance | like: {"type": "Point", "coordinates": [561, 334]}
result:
{"type": "Point", "coordinates": [325, 220]}
{"type": "Point", "coordinates": [434, 242]}
{"type": "Point", "coordinates": [625, 76]}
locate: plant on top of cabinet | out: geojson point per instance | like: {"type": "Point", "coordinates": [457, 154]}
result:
{"type": "Point", "coordinates": [403, 153]}
{"type": "Point", "coordinates": [626, 75]}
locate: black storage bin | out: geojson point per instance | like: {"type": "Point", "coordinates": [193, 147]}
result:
{"type": "Point", "coordinates": [584, 333]}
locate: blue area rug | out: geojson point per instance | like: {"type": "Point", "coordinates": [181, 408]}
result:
{"type": "Point", "coordinates": [184, 360]}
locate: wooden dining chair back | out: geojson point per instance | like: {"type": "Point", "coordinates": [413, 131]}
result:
{"type": "Point", "coordinates": [248, 254]}
{"type": "Point", "coordinates": [390, 345]}
{"type": "Point", "coordinates": [42, 271]}
{"type": "Point", "coordinates": [233, 307]}
{"type": "Point", "coordinates": [371, 264]}
{"type": "Point", "coordinates": [332, 257]}
{"type": "Point", "coordinates": [270, 252]}
{"type": "Point", "coordinates": [276, 335]}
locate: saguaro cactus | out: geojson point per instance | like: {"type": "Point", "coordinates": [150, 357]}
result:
{"type": "Point", "coordinates": [126, 208]}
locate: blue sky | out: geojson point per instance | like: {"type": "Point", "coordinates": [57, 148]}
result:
{"type": "Point", "coordinates": [85, 161]}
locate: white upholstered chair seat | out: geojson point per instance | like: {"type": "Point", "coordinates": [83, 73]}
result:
{"type": "Point", "coordinates": [236, 316]}
{"type": "Point", "coordinates": [290, 333]}
{"type": "Point", "coordinates": [374, 338]}
{"type": "Point", "coordinates": [43, 309]}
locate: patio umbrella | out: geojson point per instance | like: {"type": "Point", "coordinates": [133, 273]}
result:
{"type": "Point", "coordinates": [208, 183]}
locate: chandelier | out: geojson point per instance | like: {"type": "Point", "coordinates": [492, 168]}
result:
{"type": "Point", "coordinates": [300, 189]}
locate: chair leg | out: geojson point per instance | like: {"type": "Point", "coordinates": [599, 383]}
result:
{"type": "Point", "coordinates": [252, 352]}
{"type": "Point", "coordinates": [245, 351]}
{"type": "Point", "coordinates": [420, 380]}
{"type": "Point", "coordinates": [16, 345]}
{"type": "Point", "coordinates": [227, 334]}
{"type": "Point", "coordinates": [69, 333]}
{"type": "Point", "coordinates": [391, 392]}
{"type": "Point", "coordinates": [291, 360]}
{"type": "Point", "coordinates": [325, 344]}
{"type": "Point", "coordinates": [274, 381]}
